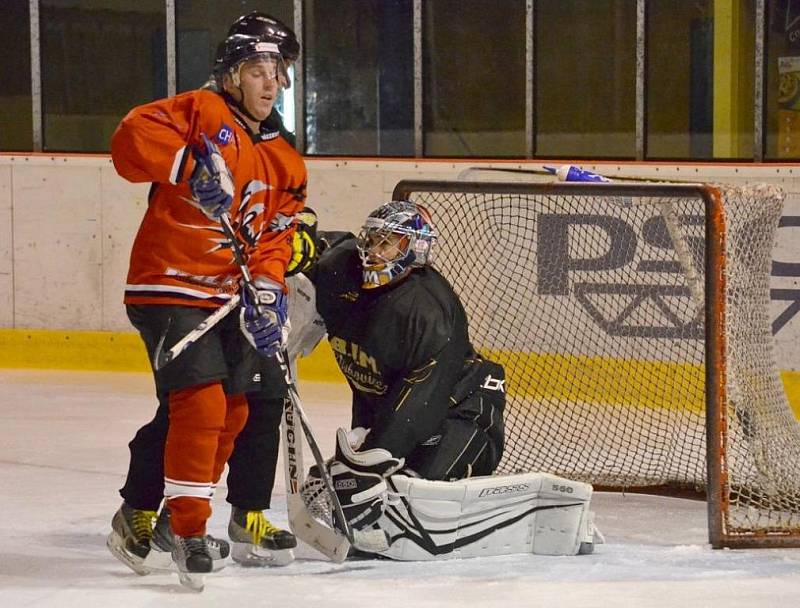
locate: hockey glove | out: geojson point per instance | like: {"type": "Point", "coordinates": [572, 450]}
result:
{"type": "Point", "coordinates": [211, 181]}
{"type": "Point", "coordinates": [359, 479]}
{"type": "Point", "coordinates": [304, 243]}
{"type": "Point", "coordinates": [264, 317]}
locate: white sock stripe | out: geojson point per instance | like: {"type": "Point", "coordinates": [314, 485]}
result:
{"type": "Point", "coordinates": [174, 489]}
{"type": "Point", "coordinates": [186, 495]}
{"type": "Point", "coordinates": [187, 483]}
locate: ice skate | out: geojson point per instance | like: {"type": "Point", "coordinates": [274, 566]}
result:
{"type": "Point", "coordinates": [129, 541]}
{"type": "Point", "coordinates": [192, 558]}
{"type": "Point", "coordinates": [162, 545]}
{"type": "Point", "coordinates": [256, 542]}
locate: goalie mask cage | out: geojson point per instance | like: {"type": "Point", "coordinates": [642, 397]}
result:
{"type": "Point", "coordinates": [633, 324]}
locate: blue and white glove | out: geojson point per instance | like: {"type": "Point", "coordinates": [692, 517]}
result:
{"type": "Point", "coordinates": [264, 320]}
{"type": "Point", "coordinates": [211, 182]}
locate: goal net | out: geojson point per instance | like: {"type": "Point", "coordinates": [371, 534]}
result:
{"type": "Point", "coordinates": [632, 320]}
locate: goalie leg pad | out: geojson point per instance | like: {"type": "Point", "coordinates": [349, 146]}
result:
{"type": "Point", "coordinates": [525, 513]}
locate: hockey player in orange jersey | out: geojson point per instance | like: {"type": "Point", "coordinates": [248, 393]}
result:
{"type": "Point", "coordinates": [197, 149]}
{"type": "Point", "coordinates": [252, 464]}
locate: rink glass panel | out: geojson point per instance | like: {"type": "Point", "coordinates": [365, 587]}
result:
{"type": "Point", "coordinates": [98, 59]}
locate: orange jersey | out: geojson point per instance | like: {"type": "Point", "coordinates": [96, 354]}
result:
{"type": "Point", "coordinates": [180, 256]}
{"type": "Point", "coordinates": [287, 179]}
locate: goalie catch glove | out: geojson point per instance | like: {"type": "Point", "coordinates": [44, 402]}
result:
{"type": "Point", "coordinates": [264, 319]}
{"type": "Point", "coordinates": [359, 479]}
{"type": "Point", "coordinates": [211, 182]}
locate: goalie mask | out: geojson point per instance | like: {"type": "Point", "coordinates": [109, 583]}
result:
{"type": "Point", "coordinates": [396, 237]}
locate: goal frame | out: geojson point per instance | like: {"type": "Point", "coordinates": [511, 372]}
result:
{"type": "Point", "coordinates": [715, 347]}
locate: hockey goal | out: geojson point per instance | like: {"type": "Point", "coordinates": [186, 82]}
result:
{"type": "Point", "coordinates": [633, 322]}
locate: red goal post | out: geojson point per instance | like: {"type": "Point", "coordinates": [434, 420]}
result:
{"type": "Point", "coordinates": [633, 322]}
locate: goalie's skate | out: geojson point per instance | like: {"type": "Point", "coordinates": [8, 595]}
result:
{"type": "Point", "coordinates": [129, 540]}
{"type": "Point", "coordinates": [258, 543]}
{"type": "Point", "coordinates": [191, 556]}
{"type": "Point", "coordinates": [162, 544]}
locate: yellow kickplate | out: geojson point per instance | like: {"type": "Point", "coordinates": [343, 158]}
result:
{"type": "Point", "coordinates": [115, 351]}
{"type": "Point", "coordinates": [79, 350]}
{"type": "Point", "coordinates": [124, 352]}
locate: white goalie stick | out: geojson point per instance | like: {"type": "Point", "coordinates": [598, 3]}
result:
{"type": "Point", "coordinates": [323, 527]}
{"type": "Point", "coordinates": [331, 542]}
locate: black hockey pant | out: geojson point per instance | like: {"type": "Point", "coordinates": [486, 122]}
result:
{"type": "Point", "coordinates": [470, 441]}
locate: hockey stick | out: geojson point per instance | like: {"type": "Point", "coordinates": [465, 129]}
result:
{"type": "Point", "coordinates": [324, 538]}
{"type": "Point", "coordinates": [331, 538]}
{"type": "Point", "coordinates": [333, 542]}
{"type": "Point", "coordinates": [161, 357]}
{"type": "Point", "coordinates": [551, 172]}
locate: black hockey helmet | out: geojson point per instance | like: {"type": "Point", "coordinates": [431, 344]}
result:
{"type": "Point", "coordinates": [269, 29]}
{"type": "Point", "coordinates": [237, 49]}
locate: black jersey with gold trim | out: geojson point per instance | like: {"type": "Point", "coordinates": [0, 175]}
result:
{"type": "Point", "coordinates": [402, 347]}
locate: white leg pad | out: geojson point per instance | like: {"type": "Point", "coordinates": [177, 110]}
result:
{"type": "Point", "coordinates": [499, 515]}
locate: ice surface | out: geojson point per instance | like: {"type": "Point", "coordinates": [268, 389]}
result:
{"type": "Point", "coordinates": [63, 456]}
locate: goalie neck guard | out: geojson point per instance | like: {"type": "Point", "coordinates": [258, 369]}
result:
{"type": "Point", "coordinates": [396, 237]}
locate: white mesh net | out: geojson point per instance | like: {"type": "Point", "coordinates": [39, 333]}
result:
{"type": "Point", "coordinates": [594, 300]}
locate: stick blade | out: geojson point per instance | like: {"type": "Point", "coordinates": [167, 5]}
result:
{"type": "Point", "coordinates": [328, 541]}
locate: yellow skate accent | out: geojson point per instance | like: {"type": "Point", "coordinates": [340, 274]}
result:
{"type": "Point", "coordinates": [259, 526]}
{"type": "Point", "coordinates": [143, 522]}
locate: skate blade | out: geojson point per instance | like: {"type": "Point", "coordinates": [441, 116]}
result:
{"type": "Point", "coordinates": [192, 580]}
{"type": "Point", "coordinates": [251, 556]}
{"type": "Point", "coordinates": [117, 548]}
{"type": "Point", "coordinates": [160, 561]}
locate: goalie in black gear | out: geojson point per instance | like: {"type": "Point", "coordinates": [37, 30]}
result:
{"type": "Point", "coordinates": [427, 412]}
{"type": "Point", "coordinates": [422, 398]}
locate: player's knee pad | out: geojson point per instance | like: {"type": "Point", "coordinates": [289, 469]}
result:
{"type": "Point", "coordinates": [463, 450]}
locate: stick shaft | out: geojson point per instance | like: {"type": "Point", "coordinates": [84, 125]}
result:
{"type": "Point", "coordinates": [162, 357]}
{"type": "Point", "coordinates": [283, 359]}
